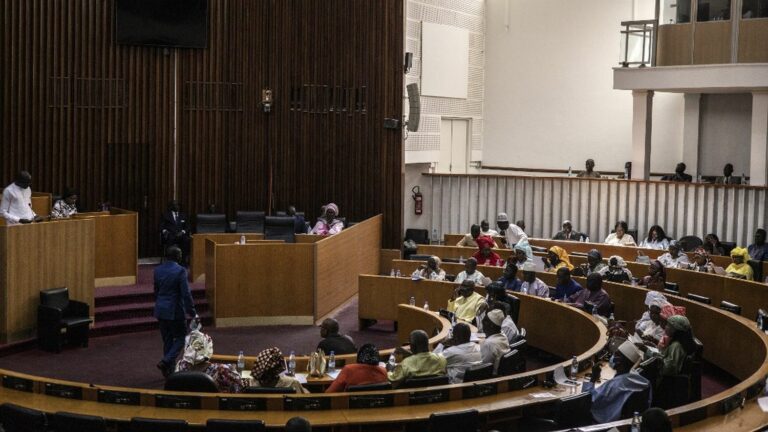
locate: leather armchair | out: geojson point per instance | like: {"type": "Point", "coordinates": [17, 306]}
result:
{"type": "Point", "coordinates": [60, 319]}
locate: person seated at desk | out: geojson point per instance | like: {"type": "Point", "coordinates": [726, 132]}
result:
{"type": "Point", "coordinates": [327, 224]}
{"type": "Point", "coordinates": [197, 354]}
{"type": "Point", "coordinates": [459, 352]}
{"type": "Point", "coordinates": [485, 254]}
{"type": "Point", "coordinates": [740, 267]}
{"type": "Point", "coordinates": [566, 286]}
{"type": "Point", "coordinates": [419, 362]}
{"type": "Point", "coordinates": [470, 273]}
{"type": "Point", "coordinates": [674, 258]}
{"type": "Point", "coordinates": [679, 175]}
{"type": "Point", "coordinates": [365, 371]}
{"type": "Point", "coordinates": [617, 270]}
{"type": "Point", "coordinates": [333, 341]}
{"type": "Point", "coordinates": [589, 172]}
{"type": "Point", "coordinates": [523, 253]}
{"type": "Point", "coordinates": [508, 326]}
{"type": "Point", "coordinates": [656, 277]}
{"type": "Point", "coordinates": [465, 302]}
{"type": "Point", "coordinates": [701, 262]}
{"type": "Point", "coordinates": [727, 177]}
{"type": "Point", "coordinates": [712, 245]}
{"type": "Point", "coordinates": [299, 223]}
{"type": "Point", "coordinates": [509, 280]}
{"type": "Point", "coordinates": [496, 294]}
{"type": "Point", "coordinates": [512, 233]}
{"type": "Point", "coordinates": [593, 294]}
{"type": "Point", "coordinates": [531, 284]}
{"type": "Point", "coordinates": [594, 264]}
{"type": "Point", "coordinates": [656, 239]}
{"type": "Point", "coordinates": [66, 206]}
{"type": "Point", "coordinates": [174, 228]}
{"type": "Point", "coordinates": [470, 239]}
{"type": "Point", "coordinates": [679, 344]}
{"type": "Point", "coordinates": [16, 204]}
{"type": "Point", "coordinates": [298, 424]}
{"type": "Point", "coordinates": [496, 343]}
{"type": "Point", "coordinates": [568, 234]}
{"type": "Point", "coordinates": [609, 399]}
{"type": "Point", "coordinates": [267, 371]}
{"type": "Point", "coordinates": [556, 259]}
{"type": "Point", "coordinates": [759, 249]}
{"type": "Point", "coordinates": [431, 270]}
{"type": "Point", "coordinates": [650, 326]}
{"type": "Point", "coordinates": [485, 229]}
{"type": "Point", "coordinates": [620, 237]}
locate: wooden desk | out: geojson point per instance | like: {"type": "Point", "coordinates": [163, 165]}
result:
{"type": "Point", "coordinates": [407, 267]}
{"type": "Point", "coordinates": [116, 246]}
{"type": "Point", "coordinates": [456, 251]}
{"type": "Point", "coordinates": [309, 238]}
{"type": "Point", "coordinates": [197, 253]}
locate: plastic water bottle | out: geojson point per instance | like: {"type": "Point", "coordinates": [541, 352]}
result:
{"type": "Point", "coordinates": [332, 362]}
{"type": "Point", "coordinates": [397, 273]}
{"type": "Point", "coordinates": [595, 315]}
{"type": "Point", "coordinates": [574, 367]}
{"type": "Point", "coordinates": [242, 239]}
{"type": "Point", "coordinates": [391, 363]}
{"type": "Point", "coordinates": [392, 273]}
{"type": "Point", "coordinates": [240, 362]}
{"type": "Point", "coordinates": [461, 259]}
{"type": "Point", "coordinates": [612, 318]}
{"type": "Point", "coordinates": [636, 422]}
{"type": "Point", "coordinates": [426, 305]}
{"type": "Point", "coordinates": [524, 288]}
{"type": "Point", "coordinates": [412, 301]}
{"type": "Point", "coordinates": [435, 239]}
{"type": "Point", "coordinates": [760, 322]}
{"type": "Point", "coordinates": [292, 364]}
{"type": "Point", "coordinates": [569, 171]}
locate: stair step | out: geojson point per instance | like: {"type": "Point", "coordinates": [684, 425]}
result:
{"type": "Point", "coordinates": [123, 297]}
{"type": "Point", "coordinates": [115, 312]}
{"type": "Point", "coordinates": [135, 324]}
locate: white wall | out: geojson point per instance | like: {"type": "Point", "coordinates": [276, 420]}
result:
{"type": "Point", "coordinates": [725, 129]}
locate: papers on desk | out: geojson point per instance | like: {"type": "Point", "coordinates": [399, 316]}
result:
{"type": "Point", "coordinates": [542, 395]}
{"type": "Point", "coordinates": [333, 374]}
{"type": "Point", "coordinates": [763, 402]}
{"type": "Point", "coordinates": [719, 270]}
{"type": "Point", "coordinates": [634, 338]}
{"type": "Point", "coordinates": [562, 379]}
{"type": "Point", "coordinates": [476, 337]}
{"type": "Point", "coordinates": [301, 377]}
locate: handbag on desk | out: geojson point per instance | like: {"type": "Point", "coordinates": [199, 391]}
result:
{"type": "Point", "coordinates": [317, 364]}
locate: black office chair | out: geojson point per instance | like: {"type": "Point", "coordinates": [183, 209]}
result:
{"type": "Point", "coordinates": [673, 391]}
{"type": "Point", "coordinates": [425, 381]}
{"type": "Point", "coordinates": [191, 381]}
{"type": "Point", "coordinates": [450, 277]}
{"type": "Point", "coordinates": [478, 372]}
{"type": "Point", "coordinates": [280, 228]}
{"type": "Point", "coordinates": [269, 390]}
{"type": "Point", "coordinates": [730, 307]}
{"type": "Point", "coordinates": [727, 247]}
{"type": "Point", "coordinates": [60, 319]}
{"type": "Point", "coordinates": [416, 257]}
{"type": "Point", "coordinates": [511, 362]}
{"type": "Point", "coordinates": [757, 270]}
{"type": "Point", "coordinates": [69, 422]}
{"type": "Point", "coordinates": [672, 288]}
{"type": "Point", "coordinates": [220, 425]}
{"type": "Point", "coordinates": [419, 236]}
{"type": "Point", "coordinates": [650, 369]}
{"type": "Point", "coordinates": [519, 343]}
{"type": "Point", "coordinates": [514, 308]}
{"type": "Point", "coordinates": [211, 223]}
{"type": "Point", "coordinates": [568, 412]}
{"type": "Point", "coordinates": [370, 387]}
{"type": "Point", "coordinates": [636, 403]}
{"type": "Point", "coordinates": [250, 221]}
{"type": "Point", "coordinates": [700, 299]}
{"type": "Point", "coordinates": [141, 424]}
{"type": "Point", "coordinates": [689, 243]}
{"type": "Point", "coordinates": [460, 421]}
{"type": "Point", "coordinates": [15, 418]}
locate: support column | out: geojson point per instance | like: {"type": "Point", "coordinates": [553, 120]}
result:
{"type": "Point", "coordinates": [758, 149]}
{"type": "Point", "coordinates": [642, 120]}
{"type": "Point", "coordinates": [691, 132]}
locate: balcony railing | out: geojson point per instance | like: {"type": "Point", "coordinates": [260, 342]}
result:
{"type": "Point", "coordinates": [638, 43]}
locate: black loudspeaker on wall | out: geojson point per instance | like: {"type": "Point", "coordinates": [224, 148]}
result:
{"type": "Point", "coordinates": [414, 104]}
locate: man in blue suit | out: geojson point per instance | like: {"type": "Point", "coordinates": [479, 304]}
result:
{"type": "Point", "coordinates": [172, 300]}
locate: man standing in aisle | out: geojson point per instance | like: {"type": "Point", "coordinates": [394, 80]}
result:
{"type": "Point", "coordinates": [172, 300]}
{"type": "Point", "coordinates": [16, 204]}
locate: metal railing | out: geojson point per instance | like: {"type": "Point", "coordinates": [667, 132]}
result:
{"type": "Point", "coordinates": [638, 43]}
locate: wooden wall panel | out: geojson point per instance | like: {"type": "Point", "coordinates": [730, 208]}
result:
{"type": "Point", "coordinates": [752, 36]}
{"type": "Point", "coordinates": [712, 42]}
{"type": "Point", "coordinates": [674, 45]}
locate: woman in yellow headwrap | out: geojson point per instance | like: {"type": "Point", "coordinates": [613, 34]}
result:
{"type": "Point", "coordinates": [740, 267]}
{"type": "Point", "coordinates": [558, 258]}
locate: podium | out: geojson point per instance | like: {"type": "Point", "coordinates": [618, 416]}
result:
{"type": "Point", "coordinates": [116, 246]}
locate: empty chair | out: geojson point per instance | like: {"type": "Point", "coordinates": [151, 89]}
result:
{"type": "Point", "coordinates": [370, 387]}
{"type": "Point", "coordinates": [727, 247]}
{"type": "Point", "coordinates": [250, 221]}
{"type": "Point", "coordinates": [270, 390]}
{"type": "Point", "coordinates": [191, 381]}
{"type": "Point", "coordinates": [416, 257]}
{"type": "Point", "coordinates": [69, 422]}
{"type": "Point", "coordinates": [60, 319]}
{"type": "Point", "coordinates": [280, 228]}
{"type": "Point", "coordinates": [730, 307]}
{"type": "Point", "coordinates": [478, 372]}
{"type": "Point", "coordinates": [510, 363]}
{"type": "Point", "coordinates": [141, 424]}
{"type": "Point", "coordinates": [16, 418]}
{"type": "Point", "coordinates": [689, 243]}
{"type": "Point", "coordinates": [757, 269]}
{"type": "Point", "coordinates": [426, 381]}
{"type": "Point", "coordinates": [460, 421]}
{"type": "Point", "coordinates": [569, 412]}
{"type": "Point", "coordinates": [698, 298]}
{"type": "Point", "coordinates": [220, 425]}
{"type": "Point", "coordinates": [211, 223]}
{"type": "Point", "coordinates": [419, 236]}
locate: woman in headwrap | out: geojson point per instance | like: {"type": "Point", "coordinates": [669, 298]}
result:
{"type": "Point", "coordinates": [650, 327]}
{"type": "Point", "coordinates": [713, 246]}
{"type": "Point", "coordinates": [365, 371]}
{"type": "Point", "coordinates": [557, 258]}
{"type": "Point", "coordinates": [595, 263]}
{"type": "Point", "coordinates": [674, 258]}
{"type": "Point", "coordinates": [617, 270]}
{"type": "Point", "coordinates": [431, 270]}
{"type": "Point", "coordinates": [327, 224]}
{"type": "Point", "coordinates": [523, 253]}
{"type": "Point", "coordinates": [485, 254]}
{"type": "Point", "coordinates": [740, 268]}
{"type": "Point", "coordinates": [681, 344]}
{"type": "Point", "coordinates": [701, 262]}
{"type": "Point", "coordinates": [197, 353]}
{"type": "Point", "coordinates": [267, 369]}
{"type": "Point", "coordinates": [66, 206]}
{"type": "Point", "coordinates": [656, 277]}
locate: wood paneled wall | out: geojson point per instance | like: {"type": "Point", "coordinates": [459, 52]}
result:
{"type": "Point", "coordinates": [78, 110]}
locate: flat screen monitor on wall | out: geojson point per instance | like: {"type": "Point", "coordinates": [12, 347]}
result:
{"type": "Point", "coordinates": [169, 23]}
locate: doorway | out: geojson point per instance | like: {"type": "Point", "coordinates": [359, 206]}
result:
{"type": "Point", "coordinates": [454, 145]}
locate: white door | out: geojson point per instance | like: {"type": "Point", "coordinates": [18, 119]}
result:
{"type": "Point", "coordinates": [454, 146]}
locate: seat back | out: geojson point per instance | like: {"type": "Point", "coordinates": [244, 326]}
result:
{"type": "Point", "coordinates": [460, 421]}
{"type": "Point", "coordinates": [727, 247]}
{"type": "Point", "coordinates": [425, 381]}
{"type": "Point", "coordinates": [280, 228]}
{"type": "Point", "coordinates": [692, 368]}
{"type": "Point", "coordinates": [672, 288]}
{"type": "Point", "coordinates": [416, 257]}
{"type": "Point", "coordinates": [514, 308]}
{"type": "Point", "coordinates": [211, 223]}
{"type": "Point", "coordinates": [574, 411]}
{"type": "Point", "coordinates": [370, 387]}
{"type": "Point", "coordinates": [69, 422]}
{"type": "Point", "coordinates": [730, 307]}
{"type": "Point", "coordinates": [672, 391]}
{"type": "Point", "coordinates": [221, 425]}
{"type": "Point", "coordinates": [57, 298]}
{"type": "Point", "coordinates": [689, 243]}
{"type": "Point", "coordinates": [250, 221]}
{"type": "Point", "coordinates": [757, 269]}
{"type": "Point", "coordinates": [420, 236]}
{"type": "Point", "coordinates": [478, 372]}
{"type": "Point", "coordinates": [636, 403]}
{"type": "Point", "coordinates": [269, 390]}
{"type": "Point", "coordinates": [141, 424]}
{"type": "Point", "coordinates": [510, 363]}
{"type": "Point", "coordinates": [15, 418]}
{"type": "Point", "coordinates": [191, 381]}
{"type": "Point", "coordinates": [700, 299]}
{"type": "Point", "coordinates": [651, 368]}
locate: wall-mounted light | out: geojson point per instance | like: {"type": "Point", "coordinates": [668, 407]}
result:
{"type": "Point", "coordinates": [266, 100]}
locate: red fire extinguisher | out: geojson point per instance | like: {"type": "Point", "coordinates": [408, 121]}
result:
{"type": "Point", "coordinates": [419, 198]}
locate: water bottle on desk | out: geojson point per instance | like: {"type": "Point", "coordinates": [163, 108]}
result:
{"type": "Point", "coordinates": [392, 273]}
{"type": "Point", "coordinates": [242, 239]}
{"type": "Point", "coordinates": [435, 238]}
{"type": "Point", "coordinates": [412, 301]}
{"type": "Point", "coordinates": [332, 362]}
{"type": "Point", "coordinates": [391, 363]}
{"type": "Point", "coordinates": [291, 364]}
{"type": "Point", "coordinates": [426, 305]}
{"type": "Point", "coordinates": [574, 367]}
{"type": "Point", "coordinates": [636, 422]}
{"type": "Point", "coordinates": [397, 273]}
{"type": "Point", "coordinates": [240, 362]}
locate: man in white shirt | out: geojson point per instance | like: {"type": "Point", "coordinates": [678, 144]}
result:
{"type": "Point", "coordinates": [460, 353]}
{"type": "Point", "coordinates": [531, 284]}
{"type": "Point", "coordinates": [470, 273]}
{"type": "Point", "coordinates": [485, 229]}
{"type": "Point", "coordinates": [495, 344]}
{"type": "Point", "coordinates": [16, 204]}
{"type": "Point", "coordinates": [511, 232]}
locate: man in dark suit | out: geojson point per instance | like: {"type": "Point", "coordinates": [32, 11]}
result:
{"type": "Point", "coordinates": [680, 175]}
{"type": "Point", "coordinates": [727, 177]}
{"type": "Point", "coordinates": [172, 300]}
{"type": "Point", "coordinates": [174, 229]}
{"type": "Point", "coordinates": [299, 223]}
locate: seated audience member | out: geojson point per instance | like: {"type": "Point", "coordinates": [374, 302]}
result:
{"type": "Point", "coordinates": [508, 326]}
{"type": "Point", "coordinates": [569, 234]}
{"type": "Point", "coordinates": [419, 362]}
{"type": "Point", "coordinates": [523, 253]}
{"type": "Point", "coordinates": [759, 249]}
{"type": "Point", "coordinates": [459, 352]}
{"type": "Point", "coordinates": [655, 420]}
{"type": "Point", "coordinates": [497, 294]}
{"type": "Point", "coordinates": [674, 258]}
{"type": "Point", "coordinates": [679, 175]}
{"type": "Point", "coordinates": [609, 399]}
{"type": "Point", "coordinates": [333, 341]}
{"type": "Point", "coordinates": [365, 371]}
{"type": "Point", "coordinates": [617, 270]}
{"type": "Point", "coordinates": [267, 371]}
{"type": "Point", "coordinates": [679, 345]}
{"type": "Point", "coordinates": [198, 351]}
{"type": "Point", "coordinates": [740, 267]}
{"type": "Point", "coordinates": [701, 262]}
{"type": "Point", "coordinates": [298, 424]}
{"type": "Point", "coordinates": [620, 237]}
{"type": "Point", "coordinates": [485, 254]}
{"type": "Point", "coordinates": [594, 264]}
{"type": "Point", "coordinates": [174, 228]}
{"type": "Point", "coordinates": [727, 177]}
{"type": "Point", "coordinates": [470, 273]}
{"type": "Point", "coordinates": [431, 270]}
{"type": "Point", "coordinates": [470, 239]}
{"type": "Point", "coordinates": [509, 280]}
{"type": "Point", "coordinates": [713, 246]}
{"type": "Point", "coordinates": [650, 327]}
{"type": "Point", "coordinates": [593, 294]}
{"type": "Point", "coordinates": [496, 343]}
{"type": "Point", "coordinates": [485, 229]}
{"type": "Point", "coordinates": [531, 284]}
{"type": "Point", "coordinates": [656, 277]}
{"type": "Point", "coordinates": [566, 286]}
{"type": "Point", "coordinates": [465, 301]}
{"type": "Point", "coordinates": [512, 233]}
{"type": "Point", "coordinates": [590, 170]}
{"type": "Point", "coordinates": [656, 239]}
{"type": "Point", "coordinates": [299, 223]}
{"type": "Point", "coordinates": [556, 259]}
{"type": "Point", "coordinates": [520, 223]}
{"type": "Point", "coordinates": [328, 224]}
{"type": "Point", "coordinates": [66, 206]}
